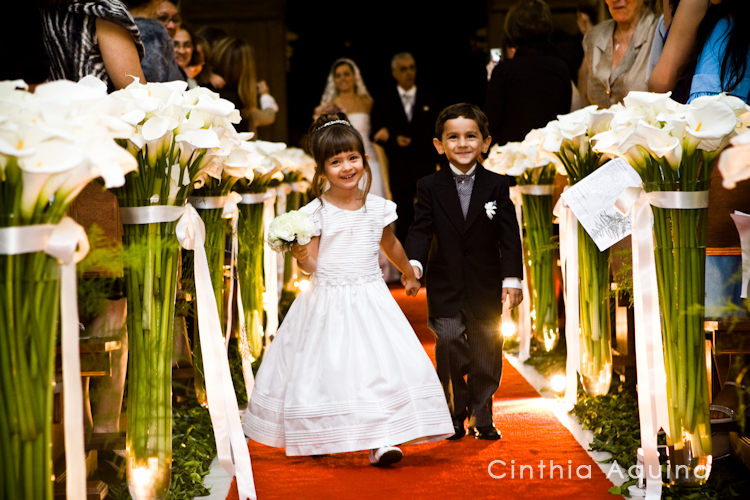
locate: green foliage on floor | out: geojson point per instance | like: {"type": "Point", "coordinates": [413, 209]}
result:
{"type": "Point", "coordinates": [193, 450]}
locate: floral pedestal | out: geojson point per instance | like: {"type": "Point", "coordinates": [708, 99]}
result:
{"type": "Point", "coordinates": [540, 254]}
{"type": "Point", "coordinates": [679, 237]}
{"type": "Point", "coordinates": [29, 324]}
{"type": "Point", "coordinates": [151, 287]}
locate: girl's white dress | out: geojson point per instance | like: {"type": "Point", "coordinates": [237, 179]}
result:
{"type": "Point", "coordinates": [345, 371]}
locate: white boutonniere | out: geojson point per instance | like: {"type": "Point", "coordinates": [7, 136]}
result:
{"type": "Point", "coordinates": [491, 208]}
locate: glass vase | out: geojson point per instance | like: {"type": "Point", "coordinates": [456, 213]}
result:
{"type": "Point", "coordinates": [595, 329]}
{"type": "Point", "coordinates": [250, 276]}
{"type": "Point", "coordinates": [679, 249]}
{"type": "Point", "coordinates": [151, 268]}
{"type": "Point", "coordinates": [29, 325]}
{"type": "Point", "coordinates": [540, 255]}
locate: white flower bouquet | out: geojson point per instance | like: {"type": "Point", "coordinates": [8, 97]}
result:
{"type": "Point", "coordinates": [290, 228]}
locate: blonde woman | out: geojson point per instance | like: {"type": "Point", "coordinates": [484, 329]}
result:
{"type": "Point", "coordinates": [233, 59]}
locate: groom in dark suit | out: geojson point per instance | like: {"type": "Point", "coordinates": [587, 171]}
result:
{"type": "Point", "coordinates": [465, 231]}
{"type": "Point", "coordinates": [403, 120]}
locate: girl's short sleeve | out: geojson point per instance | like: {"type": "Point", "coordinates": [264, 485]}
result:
{"type": "Point", "coordinates": [389, 213]}
{"type": "Point", "coordinates": [314, 209]}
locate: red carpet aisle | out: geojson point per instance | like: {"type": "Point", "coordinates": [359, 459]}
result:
{"type": "Point", "coordinates": [448, 469]}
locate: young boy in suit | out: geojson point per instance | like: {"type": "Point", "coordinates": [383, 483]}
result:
{"type": "Point", "coordinates": [465, 231]}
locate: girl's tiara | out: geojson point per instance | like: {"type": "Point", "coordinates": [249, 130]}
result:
{"type": "Point", "coordinates": [333, 122]}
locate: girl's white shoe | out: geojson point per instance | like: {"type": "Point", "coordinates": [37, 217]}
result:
{"type": "Point", "coordinates": [385, 455]}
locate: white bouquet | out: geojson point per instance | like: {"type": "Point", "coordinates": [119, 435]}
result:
{"type": "Point", "coordinates": [289, 228]}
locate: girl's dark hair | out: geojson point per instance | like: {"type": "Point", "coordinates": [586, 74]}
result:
{"type": "Point", "coordinates": [527, 22]}
{"type": "Point", "coordinates": [734, 61]}
{"type": "Point", "coordinates": [328, 136]}
{"type": "Point", "coordinates": [462, 110]}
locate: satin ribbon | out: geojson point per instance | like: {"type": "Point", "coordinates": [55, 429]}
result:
{"type": "Point", "coordinates": [66, 242]}
{"type": "Point", "coordinates": [742, 221]}
{"type": "Point", "coordinates": [536, 189]}
{"type": "Point", "coordinates": [524, 309]}
{"type": "Point", "coordinates": [228, 204]}
{"type": "Point", "coordinates": [569, 263]}
{"type": "Point", "coordinates": [650, 371]}
{"type": "Point", "coordinates": [231, 447]}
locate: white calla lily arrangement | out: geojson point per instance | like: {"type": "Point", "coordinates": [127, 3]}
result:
{"type": "Point", "coordinates": [53, 142]}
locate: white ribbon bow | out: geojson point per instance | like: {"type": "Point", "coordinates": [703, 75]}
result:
{"type": "Point", "coordinates": [649, 351]}
{"type": "Point", "coordinates": [222, 401]}
{"type": "Point", "coordinates": [67, 242]}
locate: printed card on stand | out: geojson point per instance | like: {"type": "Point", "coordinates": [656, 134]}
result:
{"type": "Point", "coordinates": [592, 201]}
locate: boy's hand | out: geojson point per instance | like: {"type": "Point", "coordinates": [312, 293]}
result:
{"type": "Point", "coordinates": [512, 297]}
{"type": "Point", "coordinates": [300, 252]}
{"type": "Point", "coordinates": [411, 285]}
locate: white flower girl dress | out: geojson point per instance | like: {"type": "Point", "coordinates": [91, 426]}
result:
{"type": "Point", "coordinates": [346, 371]}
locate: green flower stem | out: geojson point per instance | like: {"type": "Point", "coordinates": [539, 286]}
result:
{"type": "Point", "coordinates": [250, 272]}
{"type": "Point", "coordinates": [537, 221]}
{"type": "Point", "coordinates": [679, 237]}
{"type": "Point", "coordinates": [29, 323]}
{"type": "Point", "coordinates": [596, 352]}
{"type": "Point", "coordinates": [151, 295]}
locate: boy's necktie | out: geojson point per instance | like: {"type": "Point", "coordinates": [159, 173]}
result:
{"type": "Point", "coordinates": [464, 183]}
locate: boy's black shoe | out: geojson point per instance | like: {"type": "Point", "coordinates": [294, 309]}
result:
{"type": "Point", "coordinates": [488, 432]}
{"type": "Point", "coordinates": [460, 432]}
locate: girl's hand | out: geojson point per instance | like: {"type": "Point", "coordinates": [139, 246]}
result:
{"type": "Point", "coordinates": [300, 252]}
{"type": "Point", "coordinates": [411, 284]}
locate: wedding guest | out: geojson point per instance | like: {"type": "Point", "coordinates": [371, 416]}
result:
{"type": "Point", "coordinates": [188, 58]}
{"type": "Point", "coordinates": [159, 63]}
{"type": "Point", "coordinates": [465, 238]}
{"type": "Point", "coordinates": [168, 14]}
{"type": "Point", "coordinates": [532, 88]}
{"type": "Point", "coordinates": [97, 38]}
{"type": "Point", "coordinates": [403, 120]}
{"type": "Point", "coordinates": [616, 52]}
{"type": "Point", "coordinates": [673, 51]}
{"type": "Point", "coordinates": [724, 61]}
{"type": "Point", "coordinates": [233, 59]}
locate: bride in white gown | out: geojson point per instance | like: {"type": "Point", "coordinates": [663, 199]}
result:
{"type": "Point", "coordinates": [346, 91]}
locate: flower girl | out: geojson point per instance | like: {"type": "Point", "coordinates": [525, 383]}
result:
{"type": "Point", "coordinates": [345, 371]}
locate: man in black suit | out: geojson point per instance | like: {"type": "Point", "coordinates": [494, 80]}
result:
{"type": "Point", "coordinates": [403, 120]}
{"type": "Point", "coordinates": [465, 230]}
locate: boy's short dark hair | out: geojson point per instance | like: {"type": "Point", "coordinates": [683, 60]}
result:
{"type": "Point", "coordinates": [462, 110]}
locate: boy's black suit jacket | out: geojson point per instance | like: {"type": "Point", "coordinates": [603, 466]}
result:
{"type": "Point", "coordinates": [465, 260]}
{"type": "Point", "coordinates": [407, 164]}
